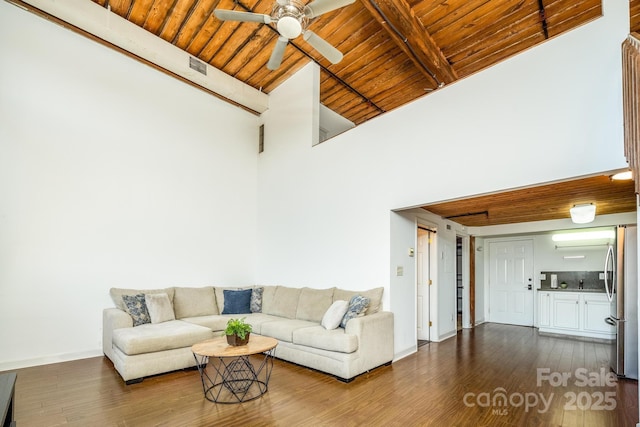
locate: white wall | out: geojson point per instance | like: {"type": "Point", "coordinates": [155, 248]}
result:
{"type": "Point", "coordinates": [404, 231]}
{"type": "Point", "coordinates": [548, 258]}
{"type": "Point", "coordinates": [550, 113]}
{"type": "Point", "coordinates": [481, 252]}
{"type": "Point", "coordinates": [111, 174]}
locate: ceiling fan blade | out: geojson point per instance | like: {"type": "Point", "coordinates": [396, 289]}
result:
{"type": "Point", "coordinates": [323, 47]}
{"type": "Point", "coordinates": [278, 53]}
{"type": "Point", "coordinates": [234, 15]}
{"type": "Point", "coordinates": [318, 7]}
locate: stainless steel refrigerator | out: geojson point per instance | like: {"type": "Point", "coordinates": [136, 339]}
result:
{"type": "Point", "coordinates": [621, 285]}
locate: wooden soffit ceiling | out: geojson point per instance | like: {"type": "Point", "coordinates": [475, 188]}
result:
{"type": "Point", "coordinates": [395, 51]}
{"type": "Point", "coordinates": [540, 203]}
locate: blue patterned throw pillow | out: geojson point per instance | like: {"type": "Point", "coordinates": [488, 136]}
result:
{"type": "Point", "coordinates": [256, 300]}
{"type": "Point", "coordinates": [137, 309]}
{"type": "Point", "coordinates": [237, 302]}
{"type": "Point", "coordinates": [357, 306]}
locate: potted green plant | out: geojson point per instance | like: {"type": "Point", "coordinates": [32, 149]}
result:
{"type": "Point", "coordinates": [237, 331]}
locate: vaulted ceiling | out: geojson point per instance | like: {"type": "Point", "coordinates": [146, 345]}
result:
{"type": "Point", "coordinates": [395, 51]}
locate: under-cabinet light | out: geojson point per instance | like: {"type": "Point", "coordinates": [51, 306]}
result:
{"type": "Point", "coordinates": [573, 257]}
{"type": "Point", "coordinates": [583, 235]}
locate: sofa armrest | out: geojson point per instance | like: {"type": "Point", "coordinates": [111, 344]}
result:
{"type": "Point", "coordinates": [375, 338]}
{"type": "Point", "coordinates": [113, 318]}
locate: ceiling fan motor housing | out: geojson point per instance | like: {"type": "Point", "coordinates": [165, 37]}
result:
{"type": "Point", "coordinates": [289, 18]}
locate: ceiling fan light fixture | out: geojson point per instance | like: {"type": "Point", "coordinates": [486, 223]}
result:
{"type": "Point", "coordinates": [583, 214]}
{"type": "Point", "coordinates": [290, 19]}
{"type": "Point", "coordinates": [289, 27]}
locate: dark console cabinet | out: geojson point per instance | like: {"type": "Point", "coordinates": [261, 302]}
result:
{"type": "Point", "coordinates": [7, 399]}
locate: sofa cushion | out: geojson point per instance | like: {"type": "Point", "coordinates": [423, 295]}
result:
{"type": "Point", "coordinates": [314, 303]}
{"type": "Point", "coordinates": [268, 298]}
{"type": "Point", "coordinates": [215, 322]}
{"type": "Point", "coordinates": [159, 308]}
{"type": "Point", "coordinates": [357, 307]}
{"type": "Point", "coordinates": [237, 302]}
{"type": "Point", "coordinates": [283, 329]}
{"type": "Point", "coordinates": [136, 306]}
{"type": "Point", "coordinates": [334, 314]}
{"type": "Point", "coordinates": [218, 323]}
{"type": "Point", "coordinates": [331, 340]}
{"type": "Point", "coordinates": [154, 337]}
{"type": "Point", "coordinates": [192, 302]}
{"type": "Point", "coordinates": [116, 294]}
{"type": "Point", "coordinates": [374, 295]}
{"type": "Point", "coordinates": [284, 302]}
{"type": "Point", "coordinates": [257, 320]}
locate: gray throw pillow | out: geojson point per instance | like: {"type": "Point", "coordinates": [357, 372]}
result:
{"type": "Point", "coordinates": [137, 309]}
{"type": "Point", "coordinates": [357, 306]}
{"type": "Point", "coordinates": [256, 300]}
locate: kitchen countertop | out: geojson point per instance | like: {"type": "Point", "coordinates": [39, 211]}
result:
{"type": "Point", "coordinates": [601, 291]}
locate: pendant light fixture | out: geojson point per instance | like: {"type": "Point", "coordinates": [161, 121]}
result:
{"type": "Point", "coordinates": [583, 214]}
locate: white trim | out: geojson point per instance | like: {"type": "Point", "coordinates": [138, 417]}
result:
{"type": "Point", "coordinates": [446, 336]}
{"type": "Point", "coordinates": [47, 360]}
{"type": "Point", "coordinates": [405, 353]}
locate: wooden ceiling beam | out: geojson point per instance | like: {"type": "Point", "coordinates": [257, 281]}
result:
{"type": "Point", "coordinates": [407, 31]}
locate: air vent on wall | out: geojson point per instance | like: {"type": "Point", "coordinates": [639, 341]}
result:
{"type": "Point", "coordinates": [261, 139]}
{"type": "Point", "coordinates": [199, 66]}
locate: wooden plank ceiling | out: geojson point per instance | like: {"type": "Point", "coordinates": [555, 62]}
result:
{"type": "Point", "coordinates": [634, 12]}
{"type": "Point", "coordinates": [544, 202]}
{"type": "Point", "coordinates": [395, 51]}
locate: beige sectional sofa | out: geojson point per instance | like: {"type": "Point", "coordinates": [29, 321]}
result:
{"type": "Point", "coordinates": [291, 315]}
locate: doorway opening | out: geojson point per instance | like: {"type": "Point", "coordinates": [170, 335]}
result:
{"type": "Point", "coordinates": [459, 284]}
{"type": "Point", "coordinates": [424, 282]}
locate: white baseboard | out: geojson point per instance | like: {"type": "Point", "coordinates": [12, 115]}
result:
{"type": "Point", "coordinates": [404, 353]}
{"type": "Point", "coordinates": [446, 336]}
{"type": "Point", "coordinates": [19, 364]}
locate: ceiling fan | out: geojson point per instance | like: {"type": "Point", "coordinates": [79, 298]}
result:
{"type": "Point", "coordinates": [291, 19]}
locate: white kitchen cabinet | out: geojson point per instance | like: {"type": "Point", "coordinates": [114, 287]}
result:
{"type": "Point", "coordinates": [544, 318]}
{"type": "Point", "coordinates": [574, 313]}
{"type": "Point", "coordinates": [596, 309]}
{"type": "Point", "coordinates": [566, 311]}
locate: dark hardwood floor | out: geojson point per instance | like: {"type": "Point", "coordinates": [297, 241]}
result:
{"type": "Point", "coordinates": [457, 382]}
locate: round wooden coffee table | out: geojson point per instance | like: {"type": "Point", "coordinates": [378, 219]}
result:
{"type": "Point", "coordinates": [227, 372]}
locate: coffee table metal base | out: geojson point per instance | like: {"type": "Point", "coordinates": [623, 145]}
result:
{"type": "Point", "coordinates": [235, 379]}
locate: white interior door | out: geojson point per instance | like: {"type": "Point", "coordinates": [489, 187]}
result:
{"type": "Point", "coordinates": [511, 282]}
{"type": "Point", "coordinates": [423, 280]}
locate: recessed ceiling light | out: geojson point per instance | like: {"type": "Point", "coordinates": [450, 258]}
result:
{"type": "Point", "coordinates": [622, 176]}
